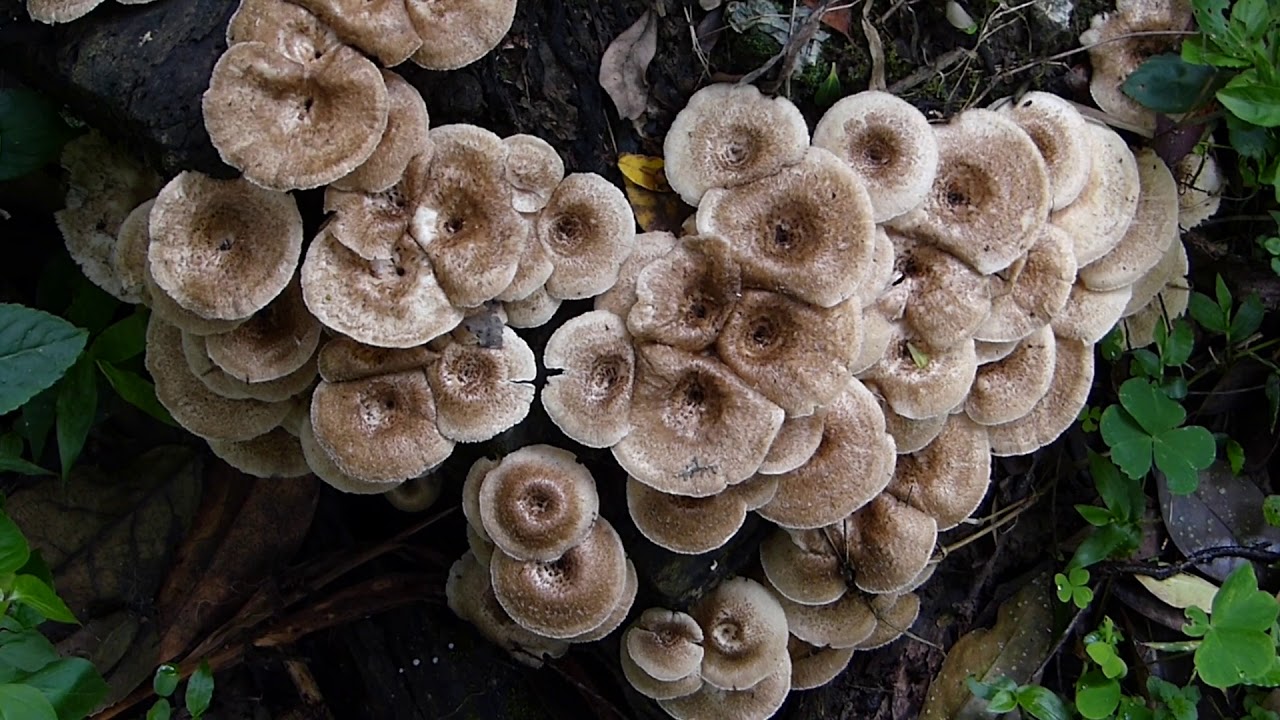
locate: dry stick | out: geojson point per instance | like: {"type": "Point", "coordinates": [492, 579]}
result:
{"type": "Point", "coordinates": [923, 74]}
{"type": "Point", "coordinates": [308, 689]}
{"type": "Point", "coordinates": [875, 48]}
{"type": "Point", "coordinates": [1256, 553]}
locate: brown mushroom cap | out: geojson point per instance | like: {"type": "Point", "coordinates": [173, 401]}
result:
{"type": "Point", "coordinates": [196, 352]}
{"type": "Point", "coordinates": [471, 495]}
{"type": "Point", "coordinates": [1117, 49]}
{"type": "Point", "coordinates": [52, 12]}
{"type": "Point", "coordinates": [591, 400]}
{"type": "Point", "coordinates": [534, 310]}
{"type": "Point", "coordinates": [986, 208]}
{"type": "Point", "coordinates": [757, 702]}
{"type": "Point", "coordinates": [651, 687]}
{"type": "Point", "coordinates": [879, 329]}
{"type": "Point", "coordinates": [381, 28]}
{"type": "Point", "coordinates": [1171, 267]}
{"type": "Point", "coordinates": [1058, 130]}
{"type": "Point", "coordinates": [1057, 410]}
{"type": "Point", "coordinates": [171, 312]}
{"type": "Point", "coordinates": [730, 135]}
{"type": "Point", "coordinates": [686, 525]}
{"type": "Point", "coordinates": [278, 340]}
{"type": "Point", "coordinates": [587, 227]}
{"type": "Point", "coordinates": [1168, 304]}
{"type": "Point", "coordinates": [538, 502]}
{"type": "Point", "coordinates": [1154, 226]}
{"type": "Point", "coordinates": [919, 382]}
{"type": "Point", "coordinates": [989, 352]}
{"type": "Point", "coordinates": [287, 125]}
{"type": "Point", "coordinates": [371, 224]}
{"type": "Point", "coordinates": [533, 269]}
{"type": "Point", "coordinates": [345, 359]}
{"type": "Point", "coordinates": [813, 666]}
{"type": "Point", "coordinates": [852, 464]}
{"type": "Point", "coordinates": [129, 254]}
{"type": "Point", "coordinates": [696, 427]}
{"type": "Point", "coordinates": [1031, 293]}
{"type": "Point", "coordinates": [744, 633]}
{"type": "Point", "coordinates": [911, 435]}
{"type": "Point", "coordinates": [223, 248]}
{"type": "Point", "coordinates": [470, 594]}
{"type": "Point", "coordinates": [567, 596]}
{"type": "Point", "coordinates": [944, 301]}
{"type": "Point", "coordinates": [881, 271]}
{"type": "Point", "coordinates": [620, 611]}
{"type": "Point", "coordinates": [842, 623]}
{"type": "Point", "coordinates": [1099, 217]}
{"type": "Point", "coordinates": [796, 442]}
{"type": "Point", "coordinates": [287, 28]}
{"type": "Point", "coordinates": [1090, 314]}
{"type": "Point", "coordinates": [806, 566]}
{"type": "Point", "coordinates": [890, 542]}
{"type": "Point", "coordinates": [323, 466]}
{"type": "Point", "coordinates": [274, 454]}
{"type": "Point", "coordinates": [888, 143]}
{"type": "Point", "coordinates": [458, 32]}
{"type": "Point", "coordinates": [1007, 389]}
{"type": "Point", "coordinates": [622, 296]}
{"type": "Point", "coordinates": [949, 477]}
{"type": "Point", "coordinates": [482, 391]}
{"type": "Point", "coordinates": [666, 644]}
{"type": "Point", "coordinates": [534, 169]}
{"type": "Point", "coordinates": [683, 298]}
{"type": "Point", "coordinates": [404, 139]}
{"type": "Point", "coordinates": [894, 616]}
{"type": "Point", "coordinates": [805, 231]}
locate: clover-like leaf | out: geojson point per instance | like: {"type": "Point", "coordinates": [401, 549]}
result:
{"type": "Point", "coordinates": [1130, 443]}
{"type": "Point", "coordinates": [1181, 454]}
{"type": "Point", "coordinates": [1152, 409]}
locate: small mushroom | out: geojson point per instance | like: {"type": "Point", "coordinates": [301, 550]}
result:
{"type": "Point", "coordinates": [533, 169]}
{"type": "Point", "coordinates": [796, 442]}
{"type": "Point", "coordinates": [1154, 226]}
{"type": "Point", "coordinates": [456, 33]}
{"type": "Point", "coordinates": [1030, 293]}
{"type": "Point", "coordinates": [895, 615]}
{"type": "Point", "coordinates": [345, 359]}
{"type": "Point", "coordinates": [322, 464]}
{"type": "Point", "coordinates": [620, 610]}
{"type": "Point", "coordinates": [534, 310]}
{"type": "Point", "coordinates": [910, 435]}
{"type": "Point", "coordinates": [1008, 388]}
{"type": "Point", "coordinates": [381, 28]}
{"type": "Point", "coordinates": [919, 382]}
{"type": "Point", "coordinates": [1090, 314]}
{"type": "Point", "coordinates": [813, 666]}
{"type": "Point", "coordinates": [196, 352]}
{"type": "Point", "coordinates": [591, 400]}
{"type": "Point", "coordinates": [648, 247]}
{"type": "Point", "coordinates": [1171, 267]}
{"type": "Point", "coordinates": [806, 566]}
{"type": "Point", "coordinates": [890, 542]}
{"type": "Point", "coordinates": [688, 525]}
{"type": "Point", "coordinates": [758, 702]}
{"type": "Point", "coordinates": [842, 623]}
{"type": "Point", "coordinates": [482, 391]}
{"type": "Point", "coordinates": [684, 298]}
{"type": "Point", "coordinates": [666, 644]}
{"type": "Point", "coordinates": [129, 255]}
{"type": "Point", "coordinates": [948, 478]}
{"type": "Point", "coordinates": [1199, 189]}
{"type": "Point", "coordinates": [404, 139]}
{"type": "Point", "coordinates": [538, 502]}
{"type": "Point", "coordinates": [1057, 410]}
{"type": "Point", "coordinates": [943, 300]}
{"type": "Point", "coordinates": [1059, 131]}
{"type": "Point", "coordinates": [470, 595]}
{"type": "Point", "coordinates": [1100, 216]}
{"type": "Point", "coordinates": [744, 632]}
{"type": "Point", "coordinates": [276, 341]}
{"type": "Point", "coordinates": [274, 454]}
{"type": "Point", "coordinates": [587, 228]}
{"type": "Point", "coordinates": [371, 224]}
{"type": "Point", "coordinates": [533, 269]}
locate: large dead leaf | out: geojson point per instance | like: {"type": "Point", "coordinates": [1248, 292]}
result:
{"type": "Point", "coordinates": [1015, 648]}
{"type": "Point", "coordinates": [623, 66]}
{"type": "Point", "coordinates": [1225, 510]}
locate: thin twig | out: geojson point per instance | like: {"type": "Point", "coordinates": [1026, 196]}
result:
{"type": "Point", "coordinates": [1257, 553]}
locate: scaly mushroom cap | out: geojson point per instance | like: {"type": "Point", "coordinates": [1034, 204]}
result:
{"type": "Point", "coordinates": [1099, 217]}
{"type": "Point", "coordinates": [944, 301]}
{"type": "Point", "coordinates": [371, 224]}
{"type": "Point", "coordinates": [458, 32]}
{"type": "Point", "coordinates": [842, 623]}
{"type": "Point", "coordinates": [380, 429]}
{"type": "Point", "coordinates": [469, 591]}
{"type": "Point", "coordinates": [806, 566]}
{"type": "Point", "coordinates": [620, 611]}
{"type": "Point", "coordinates": [1167, 305]}
{"type": "Point", "coordinates": [129, 254]}
{"type": "Point", "coordinates": [696, 427]}
{"type": "Point", "coordinates": [288, 125]}
{"type": "Point", "coordinates": [796, 442]}
{"type": "Point", "coordinates": [985, 207]}
{"type": "Point", "coordinates": [910, 435]}
{"type": "Point", "coordinates": [989, 352]}
{"type": "Point", "coordinates": [533, 169]}
{"type": "Point", "coordinates": [388, 303]}
{"type": "Point", "coordinates": [345, 359]}
{"type": "Point", "coordinates": [404, 139]}
{"type": "Point", "coordinates": [381, 28]}
{"type": "Point", "coordinates": [812, 666]}
{"type": "Point", "coordinates": [1171, 267]}
{"type": "Point", "coordinates": [1199, 189]}
{"type": "Point", "coordinates": [274, 454]}
{"type": "Point", "coordinates": [1007, 389]}
{"type": "Point", "coordinates": [888, 143]}
{"type": "Point", "coordinates": [758, 702]}
{"type": "Point", "coordinates": [1154, 226]}
{"type": "Point", "coordinates": [567, 596]}
{"type": "Point", "coordinates": [806, 230]}
{"type": "Point", "coordinates": [278, 340]}
{"type": "Point", "coordinates": [323, 466]}
{"type": "Point", "coordinates": [730, 135]}
{"type": "Point", "coordinates": [535, 310]}
{"type": "Point", "coordinates": [52, 12]}
{"type": "Point", "coordinates": [471, 496]}
{"type": "Point", "coordinates": [1057, 410]}
{"type": "Point", "coordinates": [194, 406]}
{"type": "Point", "coordinates": [1089, 315]}
{"type": "Point", "coordinates": [853, 463]}
{"type": "Point", "coordinates": [666, 644]}
{"type": "Point", "coordinates": [463, 217]}
{"type": "Point", "coordinates": [744, 631]}
{"type": "Point", "coordinates": [196, 352]}
{"type": "Point", "coordinates": [482, 391]}
{"type": "Point", "coordinates": [538, 502]}
{"type": "Point", "coordinates": [533, 269]}
{"type": "Point", "coordinates": [796, 355]}
{"type": "Point", "coordinates": [287, 28]}
{"type": "Point", "coordinates": [588, 229]}
{"type": "Point", "coordinates": [651, 687]}
{"type": "Point", "coordinates": [686, 525]}
{"type": "Point", "coordinates": [919, 382]}
{"type": "Point", "coordinates": [1029, 294]}
{"type": "Point", "coordinates": [949, 477]}
{"type": "Point", "coordinates": [894, 616]}
{"type": "Point", "coordinates": [879, 328]}
{"type": "Point", "coordinates": [683, 298]}
{"type": "Point", "coordinates": [648, 247]}
{"type": "Point", "coordinates": [1058, 130]}
{"type": "Point", "coordinates": [889, 544]}
{"type": "Point", "coordinates": [881, 271]}
{"type": "Point", "coordinates": [591, 400]}
{"type": "Point", "coordinates": [170, 311]}
{"type": "Point", "coordinates": [223, 249]}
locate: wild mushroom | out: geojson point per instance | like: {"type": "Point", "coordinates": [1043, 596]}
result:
{"type": "Point", "coordinates": [381, 28]}
{"type": "Point", "coordinates": [744, 633]}
{"type": "Point", "coordinates": [683, 298]}
{"type": "Point", "coordinates": [1089, 314]}
{"type": "Point", "coordinates": [405, 138]}
{"type": "Point", "coordinates": [591, 400]}
{"type": "Point", "coordinates": [587, 228]}
{"type": "Point", "coordinates": [455, 34]}
{"type": "Point", "coordinates": [534, 310]}
{"type": "Point", "coordinates": [622, 296]}
{"type": "Point", "coordinates": [1007, 389]}
{"type": "Point", "coordinates": [469, 591]}
{"type": "Point", "coordinates": [538, 502]}
{"type": "Point", "coordinates": [1058, 130]}
{"type": "Point", "coordinates": [1057, 410]}
{"type": "Point", "coordinates": [895, 614]}
{"type": "Point", "coordinates": [533, 169]}
{"type": "Point", "coordinates": [482, 391]}
{"type": "Point", "coordinates": [196, 352]}
{"type": "Point", "coordinates": [842, 623]}
{"type": "Point", "coordinates": [1154, 226]}
{"type": "Point", "coordinates": [1199, 189]}
{"type": "Point", "coordinates": [797, 440]}
{"type": "Point", "coordinates": [1099, 217]}
{"type": "Point", "coordinates": [919, 382]}
{"type": "Point", "coordinates": [693, 525]}
{"type": "Point", "coordinates": [274, 454]}
{"type": "Point", "coordinates": [345, 359]}
{"type": "Point", "coordinates": [890, 542]}
{"type": "Point", "coordinates": [948, 478]}
{"type": "Point", "coordinates": [129, 255]}
{"type": "Point", "coordinates": [661, 654]}
{"type": "Point", "coordinates": [813, 666]}
{"type": "Point", "coordinates": [806, 566]}
{"type": "Point", "coordinates": [275, 342]}
{"type": "Point", "coordinates": [1032, 292]}
{"type": "Point", "coordinates": [943, 300]}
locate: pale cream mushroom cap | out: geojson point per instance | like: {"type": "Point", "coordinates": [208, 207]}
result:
{"type": "Point", "coordinates": [288, 29]}
{"type": "Point", "coordinates": [878, 331]}
{"type": "Point", "coordinates": [371, 224]}
{"type": "Point", "coordinates": [1167, 305]}
{"type": "Point", "coordinates": [534, 169]}
{"type": "Point", "coordinates": [1199, 189]}
{"type": "Point", "coordinates": [323, 466]}
{"type": "Point", "coordinates": [287, 125]}
{"type": "Point", "coordinates": [538, 502]}
{"type": "Point", "coordinates": [805, 231]}
{"type": "Point", "coordinates": [666, 644]}
{"type": "Point", "coordinates": [1008, 388]}
{"type": "Point", "coordinates": [1089, 315]}
{"type": "Point", "coordinates": [888, 143]}
{"type": "Point", "coordinates": [806, 566]}
{"type": "Point", "coordinates": [567, 596]}
{"type": "Point", "coordinates": [696, 427]}
{"type": "Point", "coordinates": [949, 477]}
{"type": "Point", "coordinates": [381, 28]}
{"type": "Point", "coordinates": [944, 300]}
{"type": "Point", "coordinates": [757, 702]}
{"type": "Point", "coordinates": [1057, 410]}
{"type": "Point", "coordinates": [651, 687]}
{"type": "Point", "coordinates": [894, 616]}
{"type": "Point", "coordinates": [533, 269]}
{"type": "Point", "coordinates": [416, 494]}
{"type": "Point", "coordinates": [620, 611]}
{"type": "Point", "coordinates": [1099, 217]}
{"type": "Point", "coordinates": [842, 623]}
{"type": "Point", "coordinates": [458, 32]}
{"type": "Point", "coordinates": [1171, 267]}
{"type": "Point", "coordinates": [471, 495]}
{"type": "Point", "coordinates": [591, 400]}
{"type": "Point", "coordinates": [729, 135]}
{"type": "Point", "coordinates": [482, 391]}
{"type": "Point", "coordinates": [1154, 226]}
{"type": "Point", "coordinates": [196, 352]}
{"type": "Point", "coordinates": [926, 383]}
{"type": "Point", "coordinates": [129, 255]}
{"type": "Point", "coordinates": [405, 138]}
{"type": "Point", "coordinates": [910, 435]}
{"type": "Point", "coordinates": [171, 312]}
{"type": "Point", "coordinates": [796, 442]}
{"type": "Point", "coordinates": [588, 229]}
{"type": "Point", "coordinates": [684, 298]}
{"type": "Point", "coordinates": [1028, 295]}
{"type": "Point", "coordinates": [989, 352]}
{"type": "Point", "coordinates": [52, 12]}
{"type": "Point", "coordinates": [534, 310]}
{"type": "Point", "coordinates": [1058, 130]}
{"type": "Point", "coordinates": [481, 548]}
{"type": "Point", "coordinates": [345, 359]}
{"type": "Point", "coordinates": [812, 666]}
{"type": "Point", "coordinates": [686, 525]}
{"type": "Point", "coordinates": [985, 207]}
{"type": "Point", "coordinates": [277, 341]}
{"type": "Point", "coordinates": [744, 633]}
{"type": "Point", "coordinates": [881, 271]}
{"type": "Point", "coordinates": [890, 542]}
{"type": "Point", "coordinates": [469, 591]}
{"type": "Point", "coordinates": [622, 296]}
{"type": "Point", "coordinates": [274, 454]}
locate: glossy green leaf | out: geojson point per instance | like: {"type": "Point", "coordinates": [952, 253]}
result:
{"type": "Point", "coordinates": [22, 467]}
{"type": "Point", "coordinates": [1002, 702]}
{"type": "Point", "coordinates": [1196, 51]}
{"type": "Point", "coordinates": [1130, 444]}
{"type": "Point", "coordinates": [1222, 293]}
{"type": "Point", "coordinates": [1207, 313]}
{"type": "Point", "coordinates": [23, 652]}
{"type": "Point", "coordinates": [1230, 657]}
{"type": "Point", "coordinates": [1152, 409]}
{"type": "Point", "coordinates": [1251, 99]}
{"type": "Point", "coordinates": [1042, 703]}
{"type": "Point", "coordinates": [160, 711]}
{"type": "Point", "coordinates": [1240, 605]}
{"type": "Point", "coordinates": [1235, 456]}
{"type": "Point", "coordinates": [829, 91]}
{"type": "Point", "coordinates": [1247, 319]}
{"type": "Point", "coordinates": [72, 686]}
{"type": "Point", "coordinates": [1171, 85]}
{"type": "Point", "coordinates": [31, 590]}
{"type": "Point", "coordinates": [36, 348]}
{"type": "Point", "coordinates": [36, 420]}
{"type": "Point", "coordinates": [1181, 454]}
{"type": "Point", "coordinates": [136, 390]}
{"type": "Point", "coordinates": [121, 341]}
{"type": "Point", "coordinates": [1181, 342]}
{"type": "Point", "coordinates": [1112, 487]}
{"type": "Point", "coordinates": [77, 403]}
{"type": "Point", "coordinates": [199, 690]}
{"type": "Point", "coordinates": [32, 132]}
{"type": "Point", "coordinates": [165, 680]}
{"type": "Point", "coordinates": [1095, 515]}
{"type": "Point", "coordinates": [1105, 542]}
{"type": "Point", "coordinates": [1271, 510]}
{"type": "Point", "coordinates": [23, 702]}
{"type": "Point", "coordinates": [1097, 696]}
{"type": "Point", "coordinates": [14, 551]}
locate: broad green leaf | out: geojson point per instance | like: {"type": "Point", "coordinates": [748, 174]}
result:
{"type": "Point", "coordinates": [31, 590]}
{"type": "Point", "coordinates": [1130, 444]}
{"type": "Point", "coordinates": [1198, 52]}
{"type": "Point", "coordinates": [1107, 659]}
{"type": "Point", "coordinates": [22, 702]}
{"type": "Point", "coordinates": [1180, 454]}
{"type": "Point", "coordinates": [1247, 320]}
{"type": "Point", "coordinates": [1207, 313]}
{"type": "Point", "coordinates": [1240, 605]}
{"type": "Point", "coordinates": [1152, 409]}
{"type": "Point", "coordinates": [1181, 342]}
{"type": "Point", "coordinates": [1251, 99]}
{"type": "Point", "coordinates": [1197, 622]}
{"type": "Point", "coordinates": [1095, 515]}
{"type": "Point", "coordinates": [1002, 702]}
{"type": "Point", "coordinates": [1107, 541]}
{"type": "Point", "coordinates": [136, 390]}
{"type": "Point", "coordinates": [91, 308]}
{"type": "Point", "coordinates": [77, 403]}
{"type": "Point", "coordinates": [160, 711]}
{"type": "Point", "coordinates": [1180, 703]}
{"type": "Point", "coordinates": [1250, 19]}
{"type": "Point", "coordinates": [72, 685]}
{"type": "Point", "coordinates": [1148, 363]}
{"type": "Point", "coordinates": [1097, 695]}
{"type": "Point", "coordinates": [36, 420]}
{"type": "Point", "coordinates": [165, 680]}
{"type": "Point", "coordinates": [22, 467]}
{"type": "Point", "coordinates": [36, 348]}
{"type": "Point", "coordinates": [14, 550]}
{"type": "Point", "coordinates": [23, 652]}
{"type": "Point", "coordinates": [1229, 657]}
{"type": "Point", "coordinates": [123, 340]}
{"type": "Point", "coordinates": [1235, 456]}
{"type": "Point", "coordinates": [199, 690]}
{"type": "Point", "coordinates": [829, 91]}
{"type": "Point", "coordinates": [1112, 488]}
{"type": "Point", "coordinates": [1042, 703]}
{"type": "Point", "coordinates": [1168, 84]}
{"type": "Point", "coordinates": [1222, 293]}
{"type": "Point", "coordinates": [31, 132]}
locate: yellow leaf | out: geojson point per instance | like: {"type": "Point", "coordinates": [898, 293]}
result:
{"type": "Point", "coordinates": [1182, 591]}
{"type": "Point", "coordinates": [644, 170]}
{"type": "Point", "coordinates": [656, 210]}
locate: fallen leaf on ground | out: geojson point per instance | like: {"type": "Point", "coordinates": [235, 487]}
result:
{"type": "Point", "coordinates": [656, 211]}
{"type": "Point", "coordinates": [837, 18]}
{"type": "Point", "coordinates": [623, 66]}
{"type": "Point", "coordinates": [1181, 590]}
{"type": "Point", "coordinates": [644, 170]}
{"type": "Point", "coordinates": [1224, 510]}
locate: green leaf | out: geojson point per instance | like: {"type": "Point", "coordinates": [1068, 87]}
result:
{"type": "Point", "coordinates": [31, 132]}
{"type": "Point", "coordinates": [1240, 605]}
{"type": "Point", "coordinates": [1095, 515]}
{"type": "Point", "coordinates": [121, 341]}
{"type": "Point", "coordinates": [1152, 409]}
{"type": "Point", "coordinates": [1250, 19]}
{"type": "Point", "coordinates": [136, 390]}
{"type": "Point", "coordinates": [1230, 657]}
{"type": "Point", "coordinates": [829, 91]}
{"type": "Point", "coordinates": [980, 689]}
{"type": "Point", "coordinates": [77, 403]}
{"type": "Point", "coordinates": [165, 680]}
{"type": "Point", "coordinates": [1097, 696]}
{"type": "Point", "coordinates": [160, 711]}
{"type": "Point", "coordinates": [1235, 456]}
{"type": "Point", "coordinates": [36, 348]}
{"type": "Point", "coordinates": [32, 591]}
{"type": "Point", "coordinates": [37, 567]}
{"type": "Point", "coordinates": [200, 690]}
{"type": "Point", "coordinates": [1251, 99]}
{"type": "Point", "coordinates": [1271, 388]}
{"type": "Point", "coordinates": [1207, 313]}
{"type": "Point", "coordinates": [1002, 702]}
{"type": "Point", "coordinates": [1197, 622]}
{"type": "Point", "coordinates": [14, 551]}
{"type": "Point", "coordinates": [36, 421]}
{"type": "Point", "coordinates": [72, 686]}
{"type": "Point", "coordinates": [1042, 703]}
{"type": "Point", "coordinates": [1130, 444]}
{"type": "Point", "coordinates": [1112, 488]}
{"type": "Point", "coordinates": [1223, 294]}
{"type": "Point", "coordinates": [1181, 342]}
{"type": "Point", "coordinates": [1247, 320]}
{"type": "Point", "coordinates": [1180, 454]}
{"type": "Point", "coordinates": [1196, 51]}
{"type": "Point", "coordinates": [1149, 364]}
{"type": "Point", "coordinates": [1105, 656]}
{"type": "Point", "coordinates": [1105, 542]}
{"type": "Point", "coordinates": [22, 467]}
{"type": "Point", "coordinates": [24, 652]}
{"type": "Point", "coordinates": [1169, 84]}
{"type": "Point", "coordinates": [22, 702]}
{"type": "Point", "coordinates": [918, 356]}
{"type": "Point", "coordinates": [1271, 510]}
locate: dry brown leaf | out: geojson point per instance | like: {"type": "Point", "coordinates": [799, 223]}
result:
{"type": "Point", "coordinates": [837, 19]}
{"type": "Point", "coordinates": [656, 211]}
{"type": "Point", "coordinates": [623, 66]}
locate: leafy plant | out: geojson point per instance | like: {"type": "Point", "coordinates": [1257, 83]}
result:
{"type": "Point", "coordinates": [1073, 587]}
{"type": "Point", "coordinates": [1237, 645]}
{"type": "Point", "coordinates": [31, 132]}
{"type": "Point", "coordinates": [1217, 314]}
{"type": "Point", "coordinates": [1098, 690]}
{"type": "Point", "coordinates": [1117, 525]}
{"type": "Point", "coordinates": [198, 697]}
{"type": "Point", "coordinates": [1004, 695]}
{"type": "Point", "coordinates": [1146, 428]}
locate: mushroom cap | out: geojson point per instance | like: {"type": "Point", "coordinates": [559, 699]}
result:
{"type": "Point", "coordinates": [686, 525]}
{"type": "Point", "coordinates": [288, 29]}
{"type": "Point", "coordinates": [170, 311]}
{"type": "Point", "coordinates": [278, 340]}
{"type": "Point", "coordinates": [534, 310]}
{"type": "Point", "coordinates": [405, 138]}
{"type": "Point", "coordinates": [1154, 226]}
{"type": "Point", "coordinates": [1090, 314]}
{"type": "Point", "coordinates": [1168, 304]}
{"type": "Point", "coordinates": [805, 231]}
{"type": "Point", "coordinates": [482, 391]}
{"type": "Point", "coordinates": [52, 12]}
{"type": "Point", "coordinates": [696, 427]}
{"type": "Point", "coordinates": [534, 170]}
{"type": "Point", "coordinates": [919, 382]}
{"type": "Point", "coordinates": [949, 477]}
{"type": "Point", "coordinates": [878, 332]}
{"type": "Point", "coordinates": [1031, 293]}
{"type": "Point", "coordinates": [533, 269]}
{"type": "Point", "coordinates": [620, 610]}
{"type": "Point", "coordinates": [797, 440]}
{"type": "Point", "coordinates": [881, 270]}
{"type": "Point", "coordinates": [288, 125]}
{"type": "Point", "coordinates": [1058, 130]}
{"type": "Point", "coordinates": [888, 143]}
{"type": "Point", "coordinates": [1007, 389]}
{"type": "Point", "coordinates": [757, 702]}
{"type": "Point", "coordinates": [371, 224]}
{"type": "Point", "coordinates": [471, 495]}
{"type": "Point", "coordinates": [890, 542]}
{"type": "Point", "coordinates": [538, 502]}
{"type": "Point", "coordinates": [587, 228]}
{"type": "Point", "coordinates": [345, 359]}
{"type": "Point", "coordinates": [381, 28]}
{"type": "Point", "coordinates": [853, 463]}
{"type": "Point", "coordinates": [730, 135]}
{"type": "Point", "coordinates": [223, 249]}
{"type": "Point", "coordinates": [567, 596]}
{"type": "Point", "coordinates": [894, 616]}
{"type": "Point", "coordinates": [417, 494]}
{"type": "Point", "coordinates": [323, 466]}
{"type": "Point", "coordinates": [989, 352]}
{"type": "Point", "coordinates": [683, 298]}
{"type": "Point", "coordinates": [1057, 410]}
{"type": "Point", "coordinates": [651, 687]}
{"type": "Point", "coordinates": [1171, 267]}
{"type": "Point", "coordinates": [393, 303]}
{"type": "Point", "coordinates": [744, 634]}
{"type": "Point", "coordinates": [590, 401]}
{"type": "Point", "coordinates": [622, 296]}
{"type": "Point", "coordinates": [910, 435]}
{"type": "Point", "coordinates": [985, 207]}
{"type": "Point", "coordinates": [1115, 55]}
{"type": "Point", "coordinates": [194, 406]}
{"type": "Point", "coordinates": [458, 32]}
{"type": "Point", "coordinates": [195, 350]}
{"type": "Point", "coordinates": [842, 623]}
{"type": "Point", "coordinates": [1099, 217]}
{"type": "Point", "coordinates": [812, 666]}
{"type": "Point", "coordinates": [1199, 189]}
{"type": "Point", "coordinates": [274, 454]}
{"type": "Point", "coordinates": [944, 301]}
{"type": "Point", "coordinates": [129, 254]}
{"type": "Point", "coordinates": [796, 355]}
{"type": "Point", "coordinates": [806, 566]}
{"type": "Point", "coordinates": [469, 591]}
{"type": "Point", "coordinates": [666, 644]}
